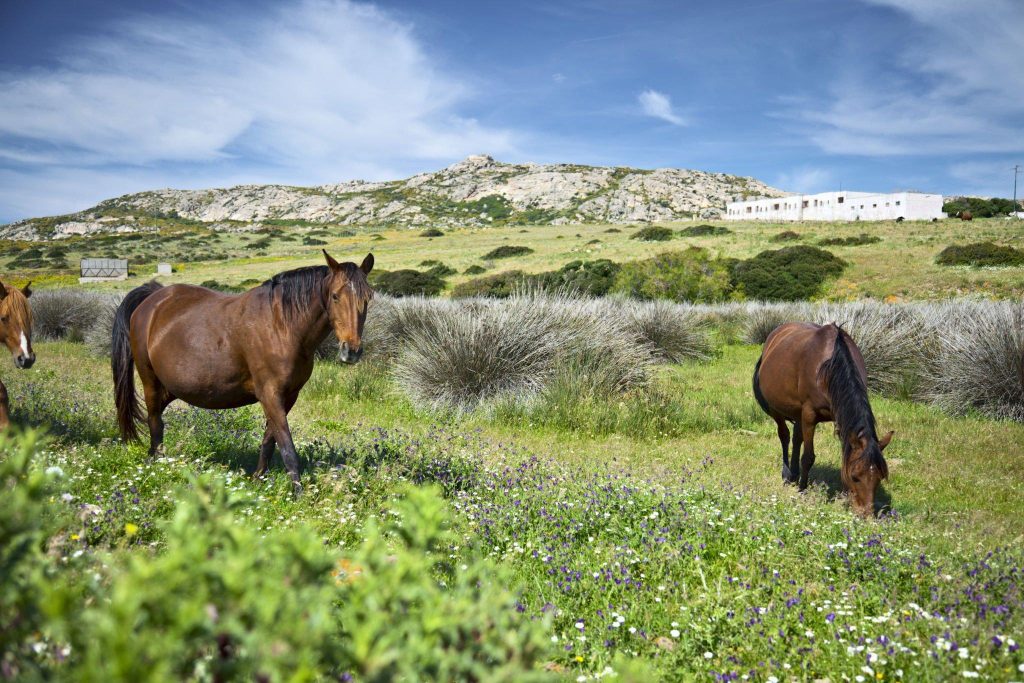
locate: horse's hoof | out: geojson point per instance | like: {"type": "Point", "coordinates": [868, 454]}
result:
{"type": "Point", "coordinates": [296, 488]}
{"type": "Point", "coordinates": [787, 476]}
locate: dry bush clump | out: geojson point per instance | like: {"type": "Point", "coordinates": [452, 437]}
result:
{"type": "Point", "coordinates": [66, 313]}
{"type": "Point", "coordinates": [676, 332]}
{"type": "Point", "coordinates": [978, 359]}
{"type": "Point", "coordinates": [763, 317]}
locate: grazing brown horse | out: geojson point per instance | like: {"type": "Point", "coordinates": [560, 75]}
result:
{"type": "Point", "coordinates": [16, 333]}
{"type": "Point", "coordinates": [966, 216]}
{"type": "Point", "coordinates": [812, 373]}
{"type": "Point", "coordinates": [216, 350]}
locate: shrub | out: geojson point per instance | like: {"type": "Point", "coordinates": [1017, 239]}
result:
{"type": "Point", "coordinates": [99, 335]}
{"type": "Point", "coordinates": [312, 241]}
{"type": "Point", "coordinates": [218, 286]}
{"type": "Point", "coordinates": [704, 230]}
{"type": "Point", "coordinates": [463, 355]}
{"type": "Point", "coordinates": [407, 282]}
{"type": "Point", "coordinates": [507, 251]}
{"type": "Point", "coordinates": [66, 313]}
{"type": "Point", "coordinates": [853, 241]}
{"type": "Point", "coordinates": [474, 270]}
{"type": "Point", "coordinates": [591, 278]}
{"type": "Point", "coordinates": [674, 332]}
{"type": "Point", "coordinates": [688, 275]}
{"type": "Point", "coordinates": [653, 233]}
{"type": "Point", "coordinates": [437, 268]}
{"type": "Point", "coordinates": [499, 285]}
{"type": "Point", "coordinates": [979, 359]}
{"type": "Point", "coordinates": [979, 207]}
{"type": "Point", "coordinates": [787, 274]}
{"type": "Point", "coordinates": [762, 319]}
{"type": "Point", "coordinates": [612, 230]}
{"type": "Point", "coordinates": [786, 236]}
{"type": "Point", "coordinates": [980, 254]}
{"type": "Point", "coordinates": [432, 232]}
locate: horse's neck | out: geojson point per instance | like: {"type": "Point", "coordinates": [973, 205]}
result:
{"type": "Point", "coordinates": [313, 332]}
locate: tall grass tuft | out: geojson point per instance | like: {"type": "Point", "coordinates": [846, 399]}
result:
{"type": "Point", "coordinates": [458, 356]}
{"type": "Point", "coordinates": [66, 313]}
{"type": "Point", "coordinates": [979, 359]}
{"type": "Point", "coordinates": [98, 336]}
{"type": "Point", "coordinates": [761, 318]}
{"type": "Point", "coordinates": [675, 332]}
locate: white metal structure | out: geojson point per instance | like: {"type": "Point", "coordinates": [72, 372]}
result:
{"type": "Point", "coordinates": [839, 206]}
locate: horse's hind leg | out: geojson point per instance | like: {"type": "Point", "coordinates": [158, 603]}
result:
{"type": "Point", "coordinates": [5, 408]}
{"type": "Point", "coordinates": [157, 399]}
{"type": "Point", "coordinates": [266, 452]}
{"type": "Point", "coordinates": [798, 440]}
{"type": "Point", "coordinates": [784, 438]}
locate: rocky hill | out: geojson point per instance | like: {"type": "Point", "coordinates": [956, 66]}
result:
{"type": "Point", "coordinates": [476, 191]}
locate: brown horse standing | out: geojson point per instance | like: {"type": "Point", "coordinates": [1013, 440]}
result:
{"type": "Point", "coordinates": [216, 350]}
{"type": "Point", "coordinates": [809, 374]}
{"type": "Point", "coordinates": [16, 333]}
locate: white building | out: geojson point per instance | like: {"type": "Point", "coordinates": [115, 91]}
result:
{"type": "Point", "coordinates": [839, 206]}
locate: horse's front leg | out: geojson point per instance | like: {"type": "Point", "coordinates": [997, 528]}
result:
{"type": "Point", "coordinates": [807, 424]}
{"type": "Point", "coordinates": [5, 408]}
{"type": "Point", "coordinates": [276, 406]}
{"type": "Point", "coordinates": [266, 452]}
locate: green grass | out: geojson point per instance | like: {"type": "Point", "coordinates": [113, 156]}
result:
{"type": "Point", "coordinates": [902, 266]}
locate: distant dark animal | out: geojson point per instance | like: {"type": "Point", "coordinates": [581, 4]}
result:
{"type": "Point", "coordinates": [217, 350]}
{"type": "Point", "coordinates": [966, 216]}
{"type": "Point", "coordinates": [900, 219]}
{"type": "Point", "coordinates": [16, 333]}
{"type": "Point", "coordinates": [809, 374]}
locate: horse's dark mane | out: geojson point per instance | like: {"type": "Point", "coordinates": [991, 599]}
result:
{"type": "Point", "coordinates": [302, 287]}
{"type": "Point", "coordinates": [850, 407]}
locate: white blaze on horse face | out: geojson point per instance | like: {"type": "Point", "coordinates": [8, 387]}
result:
{"type": "Point", "coordinates": [24, 345]}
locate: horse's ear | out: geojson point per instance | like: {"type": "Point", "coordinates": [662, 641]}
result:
{"type": "Point", "coordinates": [884, 441]}
{"type": "Point", "coordinates": [367, 265]}
{"type": "Point", "coordinates": [26, 290]}
{"type": "Point", "coordinates": [3, 291]}
{"type": "Point", "coordinates": [331, 263]}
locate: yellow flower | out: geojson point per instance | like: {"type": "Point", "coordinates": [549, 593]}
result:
{"type": "Point", "coordinates": [131, 529]}
{"type": "Point", "coordinates": [579, 658]}
{"type": "Point", "coordinates": [75, 537]}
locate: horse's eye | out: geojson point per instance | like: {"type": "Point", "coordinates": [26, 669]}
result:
{"type": "Point", "coordinates": [3, 319]}
{"type": "Point", "coordinates": [334, 297]}
{"type": "Point", "coordinates": [856, 480]}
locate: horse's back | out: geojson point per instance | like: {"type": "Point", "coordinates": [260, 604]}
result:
{"type": "Point", "coordinates": [787, 376]}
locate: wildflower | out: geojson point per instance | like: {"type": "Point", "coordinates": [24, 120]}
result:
{"type": "Point", "coordinates": [708, 655]}
{"type": "Point", "coordinates": [131, 529]}
{"type": "Point", "coordinates": [674, 633]}
{"type": "Point", "coordinates": [969, 674]}
{"type": "Point", "coordinates": [75, 537]}
{"type": "Point", "coordinates": [579, 625]}
{"type": "Point", "coordinates": [54, 471]}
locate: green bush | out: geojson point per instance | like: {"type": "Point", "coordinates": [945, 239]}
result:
{"type": "Point", "coordinates": [507, 251]}
{"type": "Point", "coordinates": [979, 207]}
{"type": "Point", "coordinates": [787, 274]}
{"type": "Point", "coordinates": [653, 233]}
{"type": "Point", "coordinates": [499, 285]}
{"type": "Point", "coordinates": [687, 275]}
{"type": "Point", "coordinates": [407, 282]}
{"type": "Point", "coordinates": [704, 230]}
{"type": "Point", "coordinates": [222, 600]}
{"type": "Point", "coordinates": [852, 241]}
{"type": "Point", "coordinates": [474, 270]}
{"type": "Point", "coordinates": [438, 268]}
{"type": "Point", "coordinates": [219, 286]}
{"type": "Point", "coordinates": [432, 232]}
{"type": "Point", "coordinates": [591, 278]}
{"type": "Point", "coordinates": [786, 236]}
{"type": "Point", "coordinates": [980, 254]}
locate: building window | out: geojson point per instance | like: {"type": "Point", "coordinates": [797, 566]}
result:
{"type": "Point", "coordinates": [874, 206]}
{"type": "Point", "coordinates": [776, 207]}
{"type": "Point", "coordinates": [897, 202]}
{"type": "Point", "coordinates": [805, 204]}
{"type": "Point", "coordinates": [840, 200]}
{"type": "Point", "coordinates": [887, 203]}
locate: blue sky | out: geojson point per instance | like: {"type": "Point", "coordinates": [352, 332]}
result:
{"type": "Point", "coordinates": [100, 98]}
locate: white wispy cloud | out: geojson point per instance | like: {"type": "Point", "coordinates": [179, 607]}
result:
{"type": "Point", "coordinates": [314, 91]}
{"type": "Point", "coordinates": [954, 92]}
{"type": "Point", "coordinates": [659, 105]}
{"type": "Point", "coordinates": [806, 180]}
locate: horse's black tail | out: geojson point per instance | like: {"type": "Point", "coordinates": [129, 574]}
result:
{"type": "Point", "coordinates": [757, 388]}
{"type": "Point", "coordinates": [122, 363]}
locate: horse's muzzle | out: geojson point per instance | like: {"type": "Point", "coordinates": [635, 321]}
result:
{"type": "Point", "coordinates": [25, 362]}
{"type": "Point", "coordinates": [349, 355]}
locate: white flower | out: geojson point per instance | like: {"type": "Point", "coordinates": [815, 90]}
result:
{"type": "Point", "coordinates": [580, 679]}
{"type": "Point", "coordinates": [772, 679]}
{"type": "Point", "coordinates": [964, 654]}
{"type": "Point", "coordinates": [674, 633]}
{"type": "Point", "coordinates": [54, 471]}
{"type": "Point", "coordinates": [632, 629]}
{"type": "Point", "coordinates": [554, 639]}
{"type": "Point", "coordinates": [969, 674]}
{"type": "Point", "coordinates": [708, 655]}
{"type": "Point", "coordinates": [579, 625]}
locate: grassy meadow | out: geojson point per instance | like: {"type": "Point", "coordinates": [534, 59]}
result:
{"type": "Point", "coordinates": [636, 536]}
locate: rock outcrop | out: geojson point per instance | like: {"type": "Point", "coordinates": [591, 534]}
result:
{"type": "Point", "coordinates": [476, 191]}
